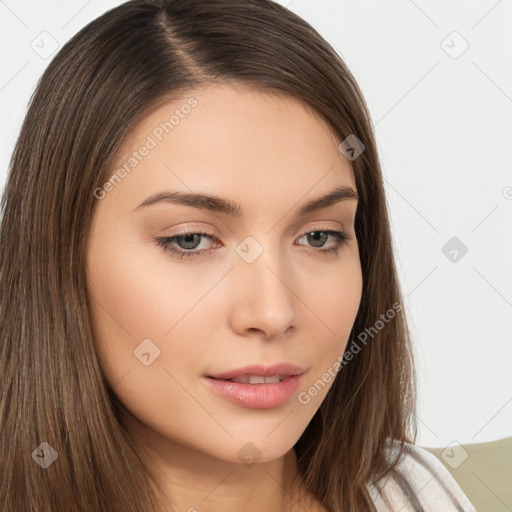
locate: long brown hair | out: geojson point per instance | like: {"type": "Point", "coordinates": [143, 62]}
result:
{"type": "Point", "coordinates": [92, 94]}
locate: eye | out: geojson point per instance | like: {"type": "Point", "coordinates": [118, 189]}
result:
{"type": "Point", "coordinates": [318, 238]}
{"type": "Point", "coordinates": [187, 244]}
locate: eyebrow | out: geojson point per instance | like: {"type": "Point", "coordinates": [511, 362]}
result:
{"type": "Point", "coordinates": [227, 207]}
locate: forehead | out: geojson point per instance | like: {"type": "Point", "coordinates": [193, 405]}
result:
{"type": "Point", "coordinates": [234, 141]}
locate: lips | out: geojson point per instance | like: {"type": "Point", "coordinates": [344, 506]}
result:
{"type": "Point", "coordinates": [260, 374]}
{"type": "Point", "coordinates": [257, 386]}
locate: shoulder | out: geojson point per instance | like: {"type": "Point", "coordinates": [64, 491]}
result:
{"type": "Point", "coordinates": [431, 483]}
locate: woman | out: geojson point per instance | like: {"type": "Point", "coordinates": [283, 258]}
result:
{"type": "Point", "coordinates": [200, 308]}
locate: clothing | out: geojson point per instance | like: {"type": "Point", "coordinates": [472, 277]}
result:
{"type": "Point", "coordinates": [432, 483]}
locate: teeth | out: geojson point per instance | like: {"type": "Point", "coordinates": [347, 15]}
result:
{"type": "Point", "coordinates": [258, 379]}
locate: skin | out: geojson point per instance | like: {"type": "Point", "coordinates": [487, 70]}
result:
{"type": "Point", "coordinates": [214, 311]}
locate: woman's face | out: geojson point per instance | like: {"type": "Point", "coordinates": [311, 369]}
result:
{"type": "Point", "coordinates": [266, 284]}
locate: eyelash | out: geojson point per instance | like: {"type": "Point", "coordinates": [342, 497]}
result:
{"type": "Point", "coordinates": [166, 242]}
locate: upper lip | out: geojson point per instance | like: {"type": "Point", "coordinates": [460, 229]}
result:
{"type": "Point", "coordinates": [259, 369]}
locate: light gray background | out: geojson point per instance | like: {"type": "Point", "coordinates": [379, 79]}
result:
{"type": "Point", "coordinates": [443, 120]}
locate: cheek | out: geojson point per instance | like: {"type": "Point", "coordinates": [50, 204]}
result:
{"type": "Point", "coordinates": [130, 302]}
{"type": "Point", "coordinates": [140, 316]}
{"type": "Point", "coordinates": [333, 294]}
{"type": "Point", "coordinates": [143, 305]}
{"type": "Point", "coordinates": [140, 292]}
{"type": "Point", "coordinates": [334, 302]}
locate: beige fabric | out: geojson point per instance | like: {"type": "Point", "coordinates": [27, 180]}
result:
{"type": "Point", "coordinates": [431, 482]}
{"type": "Point", "coordinates": [486, 474]}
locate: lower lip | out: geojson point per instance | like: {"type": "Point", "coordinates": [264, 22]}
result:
{"type": "Point", "coordinates": [256, 396]}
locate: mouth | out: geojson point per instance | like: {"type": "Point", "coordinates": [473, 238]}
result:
{"type": "Point", "coordinates": [256, 379]}
{"type": "Point", "coordinates": [260, 374]}
{"type": "Point", "coordinates": [257, 386]}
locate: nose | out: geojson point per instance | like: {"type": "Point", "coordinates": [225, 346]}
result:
{"type": "Point", "coordinates": [263, 299]}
